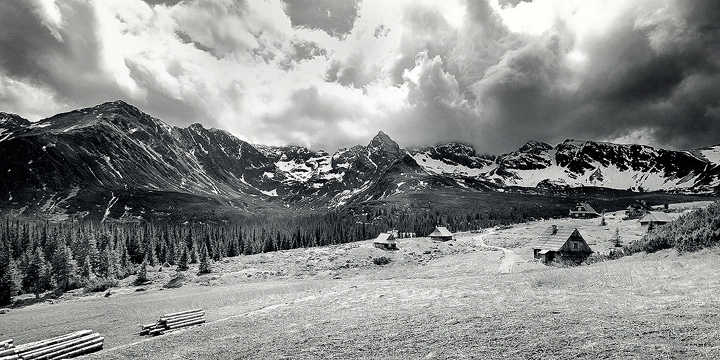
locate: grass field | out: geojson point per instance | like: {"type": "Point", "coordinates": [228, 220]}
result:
{"type": "Point", "coordinates": [433, 301]}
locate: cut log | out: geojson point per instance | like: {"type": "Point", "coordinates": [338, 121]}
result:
{"type": "Point", "coordinates": [187, 323]}
{"type": "Point", "coordinates": [180, 313]}
{"type": "Point", "coordinates": [5, 344]}
{"type": "Point", "coordinates": [11, 357]}
{"type": "Point", "coordinates": [65, 352]}
{"type": "Point", "coordinates": [7, 352]}
{"type": "Point", "coordinates": [42, 352]}
{"type": "Point", "coordinates": [42, 343]}
{"type": "Point", "coordinates": [86, 350]}
{"type": "Point", "coordinates": [184, 318]}
{"type": "Point", "coordinates": [148, 326]}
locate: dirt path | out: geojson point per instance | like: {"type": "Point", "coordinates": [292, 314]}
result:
{"type": "Point", "coordinates": [509, 256]}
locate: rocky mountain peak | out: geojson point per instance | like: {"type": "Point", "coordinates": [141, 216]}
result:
{"type": "Point", "coordinates": [8, 120]}
{"type": "Point", "coordinates": [383, 144]}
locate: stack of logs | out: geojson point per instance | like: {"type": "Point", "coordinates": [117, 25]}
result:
{"type": "Point", "coordinates": [174, 321]}
{"type": "Point", "coordinates": [61, 347]}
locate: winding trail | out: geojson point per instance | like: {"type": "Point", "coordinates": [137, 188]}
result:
{"type": "Point", "coordinates": [509, 256]}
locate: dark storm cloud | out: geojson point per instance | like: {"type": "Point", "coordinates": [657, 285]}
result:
{"type": "Point", "coordinates": [336, 17]}
{"type": "Point", "coordinates": [648, 74]}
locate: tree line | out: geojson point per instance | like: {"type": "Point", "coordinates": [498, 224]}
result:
{"type": "Point", "coordinates": [37, 256]}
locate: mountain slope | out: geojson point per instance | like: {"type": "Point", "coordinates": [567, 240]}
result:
{"type": "Point", "coordinates": [114, 161]}
{"type": "Point", "coordinates": [584, 163]}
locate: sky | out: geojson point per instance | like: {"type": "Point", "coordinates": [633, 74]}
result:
{"type": "Point", "coordinates": [327, 74]}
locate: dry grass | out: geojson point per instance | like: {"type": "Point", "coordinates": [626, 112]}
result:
{"type": "Point", "coordinates": [448, 304]}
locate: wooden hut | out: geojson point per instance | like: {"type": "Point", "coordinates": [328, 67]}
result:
{"type": "Point", "coordinates": [561, 244]}
{"type": "Point", "coordinates": [441, 233]}
{"type": "Point", "coordinates": [385, 241]}
{"type": "Point", "coordinates": [655, 218]}
{"type": "Point", "coordinates": [584, 210]}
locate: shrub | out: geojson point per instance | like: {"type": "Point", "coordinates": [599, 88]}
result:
{"type": "Point", "coordinates": [383, 260]}
{"type": "Point", "coordinates": [99, 284]}
{"type": "Point", "coordinates": [690, 232]}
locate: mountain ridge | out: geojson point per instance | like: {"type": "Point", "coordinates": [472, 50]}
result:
{"type": "Point", "coordinates": [79, 161]}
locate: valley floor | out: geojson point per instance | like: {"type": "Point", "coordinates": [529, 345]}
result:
{"type": "Point", "coordinates": [451, 300]}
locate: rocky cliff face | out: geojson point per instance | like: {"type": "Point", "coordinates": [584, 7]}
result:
{"type": "Point", "coordinates": [113, 160]}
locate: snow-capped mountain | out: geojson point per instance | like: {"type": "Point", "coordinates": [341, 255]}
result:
{"type": "Point", "coordinates": [584, 163]}
{"type": "Point", "coordinates": [114, 161]}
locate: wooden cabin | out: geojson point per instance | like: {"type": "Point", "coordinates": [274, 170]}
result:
{"type": "Point", "coordinates": [655, 218]}
{"type": "Point", "coordinates": [561, 244]}
{"type": "Point", "coordinates": [385, 241]}
{"type": "Point", "coordinates": [584, 210]}
{"type": "Point", "coordinates": [441, 233]}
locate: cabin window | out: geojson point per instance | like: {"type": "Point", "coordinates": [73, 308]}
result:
{"type": "Point", "coordinates": [575, 245]}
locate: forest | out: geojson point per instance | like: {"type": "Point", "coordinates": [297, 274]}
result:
{"type": "Point", "coordinates": [38, 256]}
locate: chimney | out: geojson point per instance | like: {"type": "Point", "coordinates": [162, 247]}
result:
{"type": "Point", "coordinates": [554, 229]}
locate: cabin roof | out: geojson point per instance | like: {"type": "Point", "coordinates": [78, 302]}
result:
{"type": "Point", "coordinates": [659, 217]}
{"type": "Point", "coordinates": [384, 238]}
{"type": "Point", "coordinates": [441, 231]}
{"type": "Point", "coordinates": [584, 207]}
{"type": "Point", "coordinates": [554, 241]}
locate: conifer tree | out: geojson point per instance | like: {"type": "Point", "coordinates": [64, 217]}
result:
{"type": "Point", "coordinates": [37, 273]}
{"type": "Point", "coordinates": [64, 268]}
{"type": "Point", "coordinates": [142, 273]}
{"type": "Point", "coordinates": [193, 255]}
{"type": "Point", "coordinates": [7, 282]}
{"type": "Point", "coordinates": [183, 260]}
{"type": "Point", "coordinates": [204, 261]}
{"type": "Point", "coordinates": [86, 269]}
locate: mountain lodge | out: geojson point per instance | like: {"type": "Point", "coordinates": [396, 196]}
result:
{"type": "Point", "coordinates": [441, 233]}
{"type": "Point", "coordinates": [385, 241]}
{"type": "Point", "coordinates": [561, 243]}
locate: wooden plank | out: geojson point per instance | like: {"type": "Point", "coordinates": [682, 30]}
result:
{"type": "Point", "coordinates": [38, 344]}
{"type": "Point", "coordinates": [11, 357]}
{"type": "Point", "coordinates": [180, 313]}
{"type": "Point", "coordinates": [42, 352]}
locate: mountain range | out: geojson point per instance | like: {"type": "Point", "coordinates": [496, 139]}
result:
{"type": "Point", "coordinates": [114, 161]}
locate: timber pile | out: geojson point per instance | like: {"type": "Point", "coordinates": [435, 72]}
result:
{"type": "Point", "coordinates": [61, 347]}
{"type": "Point", "coordinates": [174, 321]}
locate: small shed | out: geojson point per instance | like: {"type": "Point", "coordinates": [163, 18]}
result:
{"type": "Point", "coordinates": [561, 243]}
{"type": "Point", "coordinates": [584, 210]}
{"type": "Point", "coordinates": [385, 241]}
{"type": "Point", "coordinates": [441, 233]}
{"type": "Point", "coordinates": [655, 218]}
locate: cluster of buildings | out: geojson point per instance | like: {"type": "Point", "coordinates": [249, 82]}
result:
{"type": "Point", "coordinates": [557, 243]}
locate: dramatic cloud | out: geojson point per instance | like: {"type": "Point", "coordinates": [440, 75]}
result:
{"type": "Point", "coordinates": [329, 74]}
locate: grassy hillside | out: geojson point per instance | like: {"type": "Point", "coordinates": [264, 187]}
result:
{"type": "Point", "coordinates": [432, 301]}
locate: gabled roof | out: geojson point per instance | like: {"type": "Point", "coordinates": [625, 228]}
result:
{"type": "Point", "coordinates": [553, 242]}
{"type": "Point", "coordinates": [584, 207]}
{"type": "Point", "coordinates": [658, 217]}
{"type": "Point", "coordinates": [441, 231]}
{"type": "Point", "coordinates": [384, 238]}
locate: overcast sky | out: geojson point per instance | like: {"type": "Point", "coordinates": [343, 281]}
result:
{"type": "Point", "coordinates": [331, 73]}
